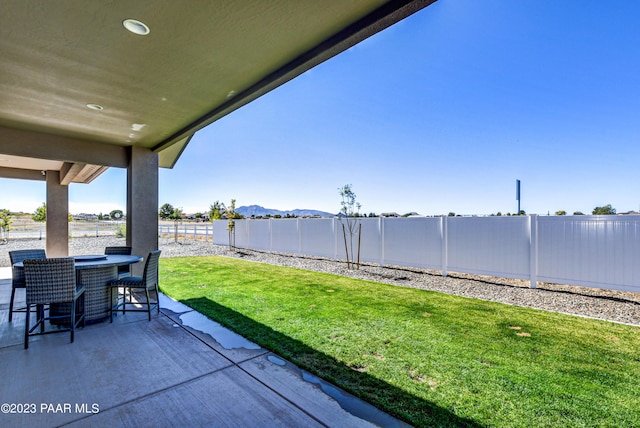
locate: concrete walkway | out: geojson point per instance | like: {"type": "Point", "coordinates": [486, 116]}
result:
{"type": "Point", "coordinates": [180, 369]}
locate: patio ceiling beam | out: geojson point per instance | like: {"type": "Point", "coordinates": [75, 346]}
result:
{"type": "Point", "coordinates": [91, 172]}
{"type": "Point", "coordinates": [47, 146]}
{"type": "Point", "coordinates": [70, 171]}
{"type": "Point", "coordinates": [22, 174]}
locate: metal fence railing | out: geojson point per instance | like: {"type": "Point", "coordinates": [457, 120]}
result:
{"type": "Point", "coordinates": [76, 229]}
{"type": "Point", "coordinates": [187, 231]}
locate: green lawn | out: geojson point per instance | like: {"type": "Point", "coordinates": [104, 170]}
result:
{"type": "Point", "coordinates": [429, 358]}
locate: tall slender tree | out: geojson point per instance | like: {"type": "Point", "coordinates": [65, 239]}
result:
{"type": "Point", "coordinates": [216, 210]}
{"type": "Point", "coordinates": [169, 212]}
{"type": "Point", "coordinates": [40, 214]}
{"type": "Point", "coordinates": [351, 225]}
{"type": "Point", "coordinates": [231, 223]}
{"type": "Point", "coordinates": [6, 218]}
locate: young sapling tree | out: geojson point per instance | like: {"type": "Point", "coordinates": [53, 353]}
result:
{"type": "Point", "coordinates": [351, 226]}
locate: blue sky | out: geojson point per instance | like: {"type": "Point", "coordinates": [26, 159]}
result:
{"type": "Point", "coordinates": [439, 113]}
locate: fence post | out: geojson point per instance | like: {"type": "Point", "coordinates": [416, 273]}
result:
{"type": "Point", "coordinates": [247, 227]}
{"type": "Point", "coordinates": [299, 227]}
{"type": "Point", "coordinates": [381, 237]}
{"type": "Point", "coordinates": [444, 230]}
{"type": "Point", "coordinates": [533, 250]}
{"type": "Point", "coordinates": [335, 239]}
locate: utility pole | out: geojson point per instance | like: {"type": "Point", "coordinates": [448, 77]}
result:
{"type": "Point", "coordinates": [518, 194]}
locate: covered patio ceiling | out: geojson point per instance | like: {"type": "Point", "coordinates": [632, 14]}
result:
{"type": "Point", "coordinates": [77, 89]}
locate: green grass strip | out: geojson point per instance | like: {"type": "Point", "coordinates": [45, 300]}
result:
{"type": "Point", "coordinates": [429, 358]}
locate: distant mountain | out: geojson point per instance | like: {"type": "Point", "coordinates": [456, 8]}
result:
{"type": "Point", "coordinates": [258, 211]}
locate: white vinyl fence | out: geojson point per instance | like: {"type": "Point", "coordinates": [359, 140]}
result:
{"type": "Point", "coordinates": [592, 251]}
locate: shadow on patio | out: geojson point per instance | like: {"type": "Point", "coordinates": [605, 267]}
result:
{"type": "Point", "coordinates": [179, 369]}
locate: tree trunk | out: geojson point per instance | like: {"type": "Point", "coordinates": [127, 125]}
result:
{"type": "Point", "coordinates": [346, 248]}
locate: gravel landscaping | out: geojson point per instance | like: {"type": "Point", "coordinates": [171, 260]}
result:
{"type": "Point", "coordinates": [609, 305]}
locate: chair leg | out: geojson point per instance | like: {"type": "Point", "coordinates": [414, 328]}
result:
{"type": "Point", "coordinates": [13, 296]}
{"type": "Point", "coordinates": [40, 318]}
{"type": "Point", "coordinates": [26, 327]}
{"type": "Point", "coordinates": [111, 307]}
{"type": "Point", "coordinates": [158, 298]}
{"type": "Point", "coordinates": [83, 315]}
{"type": "Point", "coordinates": [146, 291]}
{"type": "Point", "coordinates": [72, 319]}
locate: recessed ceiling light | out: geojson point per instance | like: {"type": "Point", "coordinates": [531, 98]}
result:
{"type": "Point", "coordinates": [95, 106]}
{"type": "Point", "coordinates": [136, 27]}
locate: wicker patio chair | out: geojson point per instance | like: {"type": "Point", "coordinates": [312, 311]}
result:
{"type": "Point", "coordinates": [148, 281]}
{"type": "Point", "coordinates": [124, 251]}
{"type": "Point", "coordinates": [17, 274]}
{"type": "Point", "coordinates": [50, 281]}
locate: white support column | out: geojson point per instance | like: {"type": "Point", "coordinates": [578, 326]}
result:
{"type": "Point", "coordinates": [381, 236]}
{"type": "Point", "coordinates": [57, 216]}
{"type": "Point", "coordinates": [444, 225]}
{"type": "Point", "coordinates": [533, 250]}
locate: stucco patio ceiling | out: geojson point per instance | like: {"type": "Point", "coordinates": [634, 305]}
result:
{"type": "Point", "coordinates": [201, 60]}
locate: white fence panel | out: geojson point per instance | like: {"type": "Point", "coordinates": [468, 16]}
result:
{"type": "Point", "coordinates": [369, 242]}
{"type": "Point", "coordinates": [415, 242]}
{"type": "Point", "coordinates": [317, 237]}
{"type": "Point", "coordinates": [241, 234]}
{"type": "Point", "coordinates": [496, 246]}
{"type": "Point", "coordinates": [284, 236]}
{"type": "Point", "coordinates": [592, 251]}
{"type": "Point", "coordinates": [220, 233]}
{"type": "Point", "coordinates": [259, 234]}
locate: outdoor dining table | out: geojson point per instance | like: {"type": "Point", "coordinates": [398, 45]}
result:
{"type": "Point", "coordinates": [94, 272]}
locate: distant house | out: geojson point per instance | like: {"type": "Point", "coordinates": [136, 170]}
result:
{"type": "Point", "coordinates": [85, 217]}
{"type": "Point", "coordinates": [198, 217]}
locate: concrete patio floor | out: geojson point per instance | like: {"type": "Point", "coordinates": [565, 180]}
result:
{"type": "Point", "coordinates": [180, 369]}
